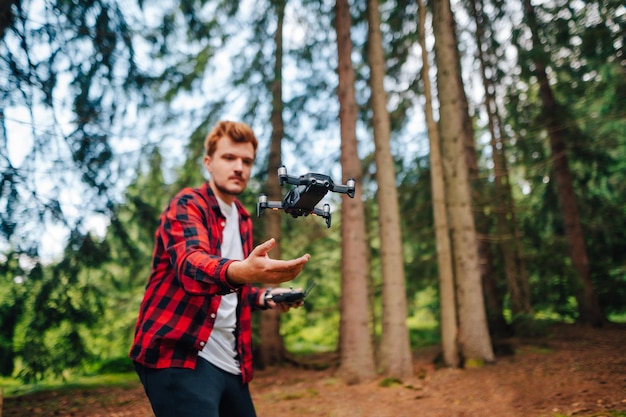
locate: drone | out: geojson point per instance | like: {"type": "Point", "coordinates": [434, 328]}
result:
{"type": "Point", "coordinates": [301, 200]}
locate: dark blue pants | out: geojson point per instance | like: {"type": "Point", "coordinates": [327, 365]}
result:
{"type": "Point", "coordinates": [206, 391]}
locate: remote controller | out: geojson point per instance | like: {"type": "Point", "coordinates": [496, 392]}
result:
{"type": "Point", "coordinates": [291, 297]}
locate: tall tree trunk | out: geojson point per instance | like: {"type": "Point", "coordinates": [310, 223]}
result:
{"type": "Point", "coordinates": [449, 324]}
{"type": "Point", "coordinates": [588, 306]}
{"type": "Point", "coordinates": [479, 197]}
{"type": "Point", "coordinates": [524, 302]}
{"type": "Point", "coordinates": [474, 336]}
{"type": "Point", "coordinates": [395, 349]}
{"type": "Point", "coordinates": [356, 353]}
{"type": "Point", "coordinates": [489, 277]}
{"type": "Point", "coordinates": [272, 348]}
{"type": "Point", "coordinates": [516, 279]}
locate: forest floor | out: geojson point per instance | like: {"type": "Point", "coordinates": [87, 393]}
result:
{"type": "Point", "coordinates": [574, 371]}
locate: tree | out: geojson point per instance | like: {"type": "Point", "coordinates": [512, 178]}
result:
{"type": "Point", "coordinates": [395, 351]}
{"type": "Point", "coordinates": [505, 216]}
{"type": "Point", "coordinates": [12, 306]}
{"type": "Point", "coordinates": [356, 355]}
{"type": "Point", "coordinates": [272, 348]}
{"type": "Point", "coordinates": [473, 335]}
{"type": "Point", "coordinates": [129, 240]}
{"type": "Point", "coordinates": [62, 302]}
{"type": "Point", "coordinates": [559, 133]}
{"type": "Point", "coordinates": [61, 104]}
{"type": "Point", "coordinates": [448, 313]}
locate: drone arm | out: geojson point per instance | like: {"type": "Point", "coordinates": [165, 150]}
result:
{"type": "Point", "coordinates": [323, 212]}
{"type": "Point", "coordinates": [273, 205]}
{"type": "Point", "coordinates": [345, 189]}
{"type": "Point", "coordinates": [265, 204]}
{"type": "Point", "coordinates": [284, 178]}
{"type": "Point", "coordinates": [292, 180]}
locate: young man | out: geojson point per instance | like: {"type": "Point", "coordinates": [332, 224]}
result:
{"type": "Point", "coordinates": [192, 346]}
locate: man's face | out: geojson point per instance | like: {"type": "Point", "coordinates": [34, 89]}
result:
{"type": "Point", "coordinates": [230, 167]}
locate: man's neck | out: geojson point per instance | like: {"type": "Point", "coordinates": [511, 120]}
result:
{"type": "Point", "coordinates": [225, 197]}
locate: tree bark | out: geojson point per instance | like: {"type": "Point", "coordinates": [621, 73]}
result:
{"type": "Point", "coordinates": [395, 349]}
{"type": "Point", "coordinates": [356, 353]}
{"type": "Point", "coordinates": [516, 278]}
{"type": "Point", "coordinates": [474, 338]}
{"type": "Point", "coordinates": [272, 347]}
{"type": "Point", "coordinates": [489, 277]}
{"type": "Point", "coordinates": [449, 324]}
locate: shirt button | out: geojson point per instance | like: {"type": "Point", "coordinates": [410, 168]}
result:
{"type": "Point", "coordinates": [223, 224]}
{"type": "Point", "coordinates": [212, 315]}
{"type": "Point", "coordinates": [202, 344]}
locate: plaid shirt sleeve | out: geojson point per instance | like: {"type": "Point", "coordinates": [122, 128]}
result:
{"type": "Point", "coordinates": [192, 235]}
{"type": "Point", "coordinates": [187, 279]}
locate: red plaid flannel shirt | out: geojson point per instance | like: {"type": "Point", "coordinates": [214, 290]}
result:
{"type": "Point", "coordinates": [187, 281]}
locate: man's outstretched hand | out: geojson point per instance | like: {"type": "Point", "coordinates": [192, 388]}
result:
{"type": "Point", "coordinates": [259, 267]}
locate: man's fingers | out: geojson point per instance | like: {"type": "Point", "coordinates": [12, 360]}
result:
{"type": "Point", "coordinates": [265, 247]}
{"type": "Point", "coordinates": [291, 263]}
{"type": "Point", "coordinates": [288, 270]}
{"type": "Point", "coordinates": [274, 271]}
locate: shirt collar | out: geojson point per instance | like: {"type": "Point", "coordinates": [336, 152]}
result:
{"type": "Point", "coordinates": [214, 204]}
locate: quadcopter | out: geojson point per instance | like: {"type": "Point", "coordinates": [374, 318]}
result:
{"type": "Point", "coordinates": [301, 200]}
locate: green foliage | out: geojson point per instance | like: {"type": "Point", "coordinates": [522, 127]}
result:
{"type": "Point", "coordinates": [13, 289]}
{"type": "Point", "coordinates": [124, 276]}
{"type": "Point", "coordinates": [415, 204]}
{"type": "Point", "coordinates": [390, 382]}
{"type": "Point", "coordinates": [314, 327]}
{"type": "Point", "coordinates": [16, 388]}
{"type": "Point", "coordinates": [424, 336]}
{"type": "Point", "coordinates": [61, 106]}
{"type": "Point", "coordinates": [118, 365]}
{"type": "Point", "coordinates": [586, 85]}
{"type": "Point", "coordinates": [606, 413]}
{"type": "Point", "coordinates": [60, 303]}
{"type": "Point", "coordinates": [423, 322]}
{"type": "Point", "coordinates": [529, 327]}
{"type": "Point", "coordinates": [617, 318]}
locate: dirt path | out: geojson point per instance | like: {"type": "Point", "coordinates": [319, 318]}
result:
{"type": "Point", "coordinates": [575, 372]}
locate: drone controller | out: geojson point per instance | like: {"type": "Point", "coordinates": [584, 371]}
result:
{"type": "Point", "coordinates": [308, 191]}
{"type": "Point", "coordinates": [292, 296]}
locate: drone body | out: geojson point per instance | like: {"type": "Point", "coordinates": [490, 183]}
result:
{"type": "Point", "coordinates": [308, 191]}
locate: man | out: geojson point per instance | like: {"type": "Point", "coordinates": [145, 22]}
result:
{"type": "Point", "coordinates": [192, 345]}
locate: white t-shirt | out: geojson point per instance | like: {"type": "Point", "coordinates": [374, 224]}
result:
{"type": "Point", "coordinates": [221, 349]}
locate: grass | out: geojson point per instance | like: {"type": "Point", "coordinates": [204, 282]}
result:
{"type": "Point", "coordinates": [13, 387]}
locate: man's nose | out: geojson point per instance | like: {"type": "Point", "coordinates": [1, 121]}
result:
{"type": "Point", "coordinates": [238, 165]}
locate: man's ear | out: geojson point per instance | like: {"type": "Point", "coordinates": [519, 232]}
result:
{"type": "Point", "coordinates": [207, 163]}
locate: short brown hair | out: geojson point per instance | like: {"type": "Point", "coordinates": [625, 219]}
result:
{"type": "Point", "coordinates": [237, 131]}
